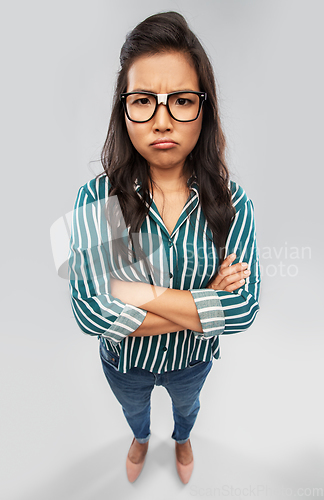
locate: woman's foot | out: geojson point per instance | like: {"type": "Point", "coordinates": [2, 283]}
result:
{"type": "Point", "coordinates": [135, 459]}
{"type": "Point", "coordinates": [184, 460]}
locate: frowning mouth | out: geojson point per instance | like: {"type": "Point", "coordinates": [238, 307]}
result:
{"type": "Point", "coordinates": [164, 143]}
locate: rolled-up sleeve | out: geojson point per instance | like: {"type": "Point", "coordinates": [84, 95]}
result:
{"type": "Point", "coordinates": [96, 311]}
{"type": "Point", "coordinates": [222, 312]}
{"type": "Point", "coordinates": [210, 312]}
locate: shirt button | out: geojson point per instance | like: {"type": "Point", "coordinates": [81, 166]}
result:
{"type": "Point", "coordinates": [165, 349]}
{"type": "Point", "coordinates": [170, 243]}
{"type": "Point", "coordinates": [170, 275]}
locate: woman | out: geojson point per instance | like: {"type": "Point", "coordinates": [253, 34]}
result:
{"type": "Point", "coordinates": [163, 251]}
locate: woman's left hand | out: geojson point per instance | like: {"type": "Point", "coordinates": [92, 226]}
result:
{"type": "Point", "coordinates": [230, 278]}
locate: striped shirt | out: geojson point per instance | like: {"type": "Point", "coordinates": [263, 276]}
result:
{"type": "Point", "coordinates": [184, 260]}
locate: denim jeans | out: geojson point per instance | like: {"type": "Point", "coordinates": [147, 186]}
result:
{"type": "Point", "coordinates": [133, 391]}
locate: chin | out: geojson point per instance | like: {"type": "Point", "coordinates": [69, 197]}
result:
{"type": "Point", "coordinates": [165, 160]}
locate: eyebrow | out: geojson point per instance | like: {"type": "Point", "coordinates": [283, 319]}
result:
{"type": "Point", "coordinates": [181, 90]}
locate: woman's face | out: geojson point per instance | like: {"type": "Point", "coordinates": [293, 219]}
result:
{"type": "Point", "coordinates": [163, 73]}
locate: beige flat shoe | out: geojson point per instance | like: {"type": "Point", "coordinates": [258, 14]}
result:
{"type": "Point", "coordinates": [133, 470]}
{"type": "Point", "coordinates": [184, 471]}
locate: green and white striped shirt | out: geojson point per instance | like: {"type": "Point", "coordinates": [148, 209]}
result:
{"type": "Point", "coordinates": [184, 260]}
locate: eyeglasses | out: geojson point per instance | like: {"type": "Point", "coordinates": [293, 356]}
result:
{"type": "Point", "coordinates": [140, 107]}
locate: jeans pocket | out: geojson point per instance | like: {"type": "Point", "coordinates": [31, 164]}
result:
{"type": "Point", "coordinates": [109, 357]}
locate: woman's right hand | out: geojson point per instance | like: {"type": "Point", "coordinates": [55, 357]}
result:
{"type": "Point", "coordinates": [230, 278]}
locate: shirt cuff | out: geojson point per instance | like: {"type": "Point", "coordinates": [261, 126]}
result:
{"type": "Point", "coordinates": [128, 321]}
{"type": "Point", "coordinates": [210, 311]}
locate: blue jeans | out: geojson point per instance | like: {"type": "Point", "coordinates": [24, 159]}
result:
{"type": "Point", "coordinates": [133, 391]}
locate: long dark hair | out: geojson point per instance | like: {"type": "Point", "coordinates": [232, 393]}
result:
{"type": "Point", "coordinates": [169, 31]}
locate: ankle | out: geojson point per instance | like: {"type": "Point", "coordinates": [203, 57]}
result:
{"type": "Point", "coordinates": [137, 451]}
{"type": "Point", "coordinates": [184, 452]}
{"type": "Point", "coordinates": [140, 444]}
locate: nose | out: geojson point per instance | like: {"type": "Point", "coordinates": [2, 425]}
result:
{"type": "Point", "coordinates": [162, 120]}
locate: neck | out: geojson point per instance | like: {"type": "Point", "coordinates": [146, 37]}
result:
{"type": "Point", "coordinates": [170, 180]}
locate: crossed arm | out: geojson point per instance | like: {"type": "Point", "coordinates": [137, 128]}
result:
{"type": "Point", "coordinates": [170, 310]}
{"type": "Point", "coordinates": [103, 306]}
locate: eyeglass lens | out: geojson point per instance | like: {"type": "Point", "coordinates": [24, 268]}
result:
{"type": "Point", "coordinates": [183, 106]}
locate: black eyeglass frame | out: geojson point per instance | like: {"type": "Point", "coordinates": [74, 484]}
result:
{"type": "Point", "coordinates": [202, 98]}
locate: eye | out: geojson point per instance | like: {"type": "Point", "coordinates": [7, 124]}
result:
{"type": "Point", "coordinates": [142, 101]}
{"type": "Point", "coordinates": [182, 101]}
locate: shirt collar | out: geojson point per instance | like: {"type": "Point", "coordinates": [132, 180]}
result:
{"type": "Point", "coordinates": [192, 181]}
{"type": "Point", "coordinates": [190, 206]}
{"type": "Point", "coordinates": [137, 185]}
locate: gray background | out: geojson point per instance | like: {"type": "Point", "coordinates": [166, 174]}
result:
{"type": "Point", "coordinates": [63, 434]}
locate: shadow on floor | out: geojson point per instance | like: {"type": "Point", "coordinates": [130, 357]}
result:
{"type": "Point", "coordinates": [219, 472]}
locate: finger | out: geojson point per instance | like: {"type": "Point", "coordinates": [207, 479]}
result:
{"type": "Point", "coordinates": [233, 278]}
{"type": "Point", "coordinates": [228, 288]}
{"type": "Point", "coordinates": [229, 259]}
{"type": "Point", "coordinates": [230, 279]}
{"type": "Point", "coordinates": [235, 268]}
{"type": "Point", "coordinates": [228, 271]}
{"type": "Point", "coordinates": [234, 286]}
